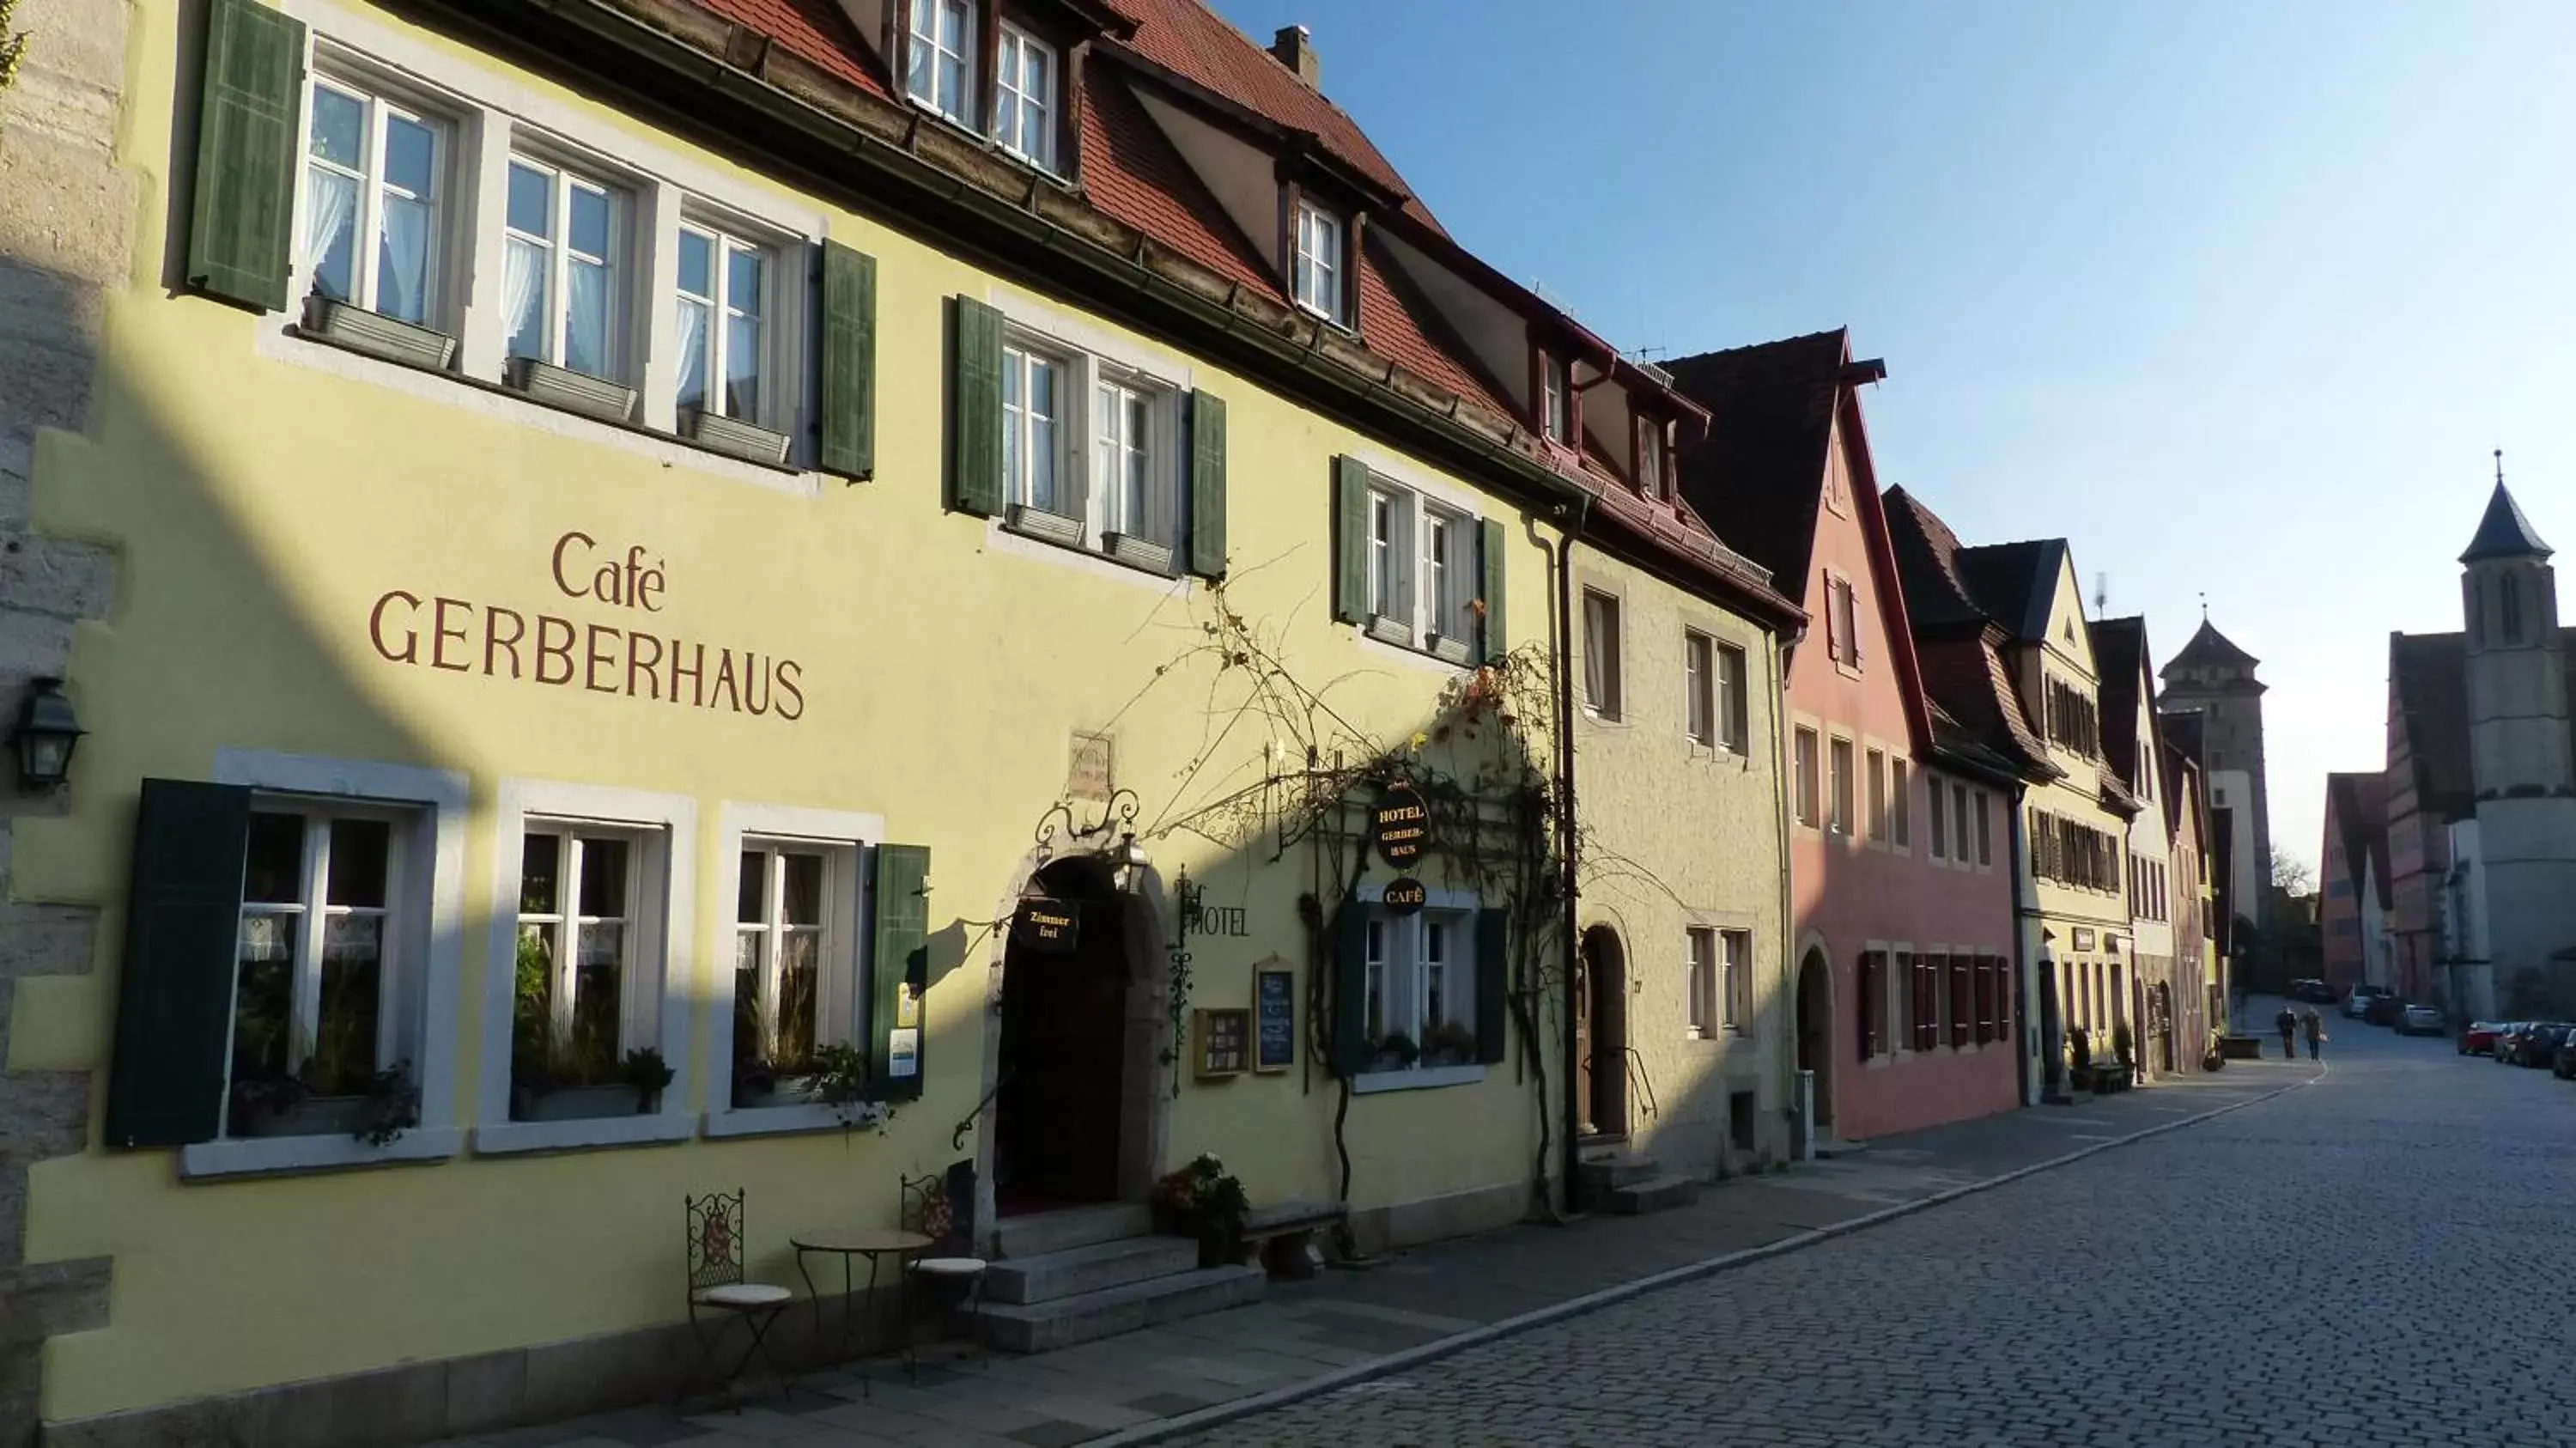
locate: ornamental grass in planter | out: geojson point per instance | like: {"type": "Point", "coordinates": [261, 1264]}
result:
{"type": "Point", "coordinates": [1205, 1201]}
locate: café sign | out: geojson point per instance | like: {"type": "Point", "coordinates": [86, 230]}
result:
{"type": "Point", "coordinates": [1404, 896]}
{"type": "Point", "coordinates": [615, 645]}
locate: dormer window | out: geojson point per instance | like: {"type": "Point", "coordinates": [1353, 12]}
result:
{"type": "Point", "coordinates": [1320, 263]}
{"type": "Point", "coordinates": [1650, 459]}
{"type": "Point", "coordinates": [943, 57]}
{"type": "Point", "coordinates": [1024, 109]}
{"type": "Point", "coordinates": [1555, 399]}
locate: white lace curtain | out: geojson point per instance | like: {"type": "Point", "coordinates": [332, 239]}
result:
{"type": "Point", "coordinates": [331, 209]}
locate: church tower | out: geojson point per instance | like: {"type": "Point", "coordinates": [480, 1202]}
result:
{"type": "Point", "coordinates": [2214, 678]}
{"type": "Point", "coordinates": [2520, 758]}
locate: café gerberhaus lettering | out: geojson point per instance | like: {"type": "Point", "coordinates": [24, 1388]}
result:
{"type": "Point", "coordinates": [623, 653]}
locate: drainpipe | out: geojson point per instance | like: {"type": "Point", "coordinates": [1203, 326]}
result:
{"type": "Point", "coordinates": [1565, 827]}
{"type": "Point", "coordinates": [2022, 1025]}
{"type": "Point", "coordinates": [1775, 690]}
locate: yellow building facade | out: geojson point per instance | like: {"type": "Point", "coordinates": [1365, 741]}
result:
{"type": "Point", "coordinates": [763, 651]}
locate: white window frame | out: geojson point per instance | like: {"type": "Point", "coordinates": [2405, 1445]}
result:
{"type": "Point", "coordinates": [1960, 843]}
{"type": "Point", "coordinates": [1320, 274]}
{"type": "Point", "coordinates": [1807, 776]}
{"type": "Point", "coordinates": [722, 305]}
{"type": "Point", "coordinates": [1705, 986]}
{"type": "Point", "coordinates": [1900, 803]}
{"type": "Point", "coordinates": [424, 993]}
{"type": "Point", "coordinates": [967, 26]}
{"type": "Point", "coordinates": [1091, 509]}
{"type": "Point", "coordinates": [1412, 600]}
{"type": "Point", "coordinates": [1842, 785]}
{"type": "Point", "coordinates": [1605, 688]}
{"type": "Point", "coordinates": [658, 982]}
{"type": "Point", "coordinates": [1735, 966]}
{"type": "Point", "coordinates": [1021, 358]}
{"type": "Point", "coordinates": [1555, 397]}
{"type": "Point", "coordinates": [842, 1006]}
{"type": "Point", "coordinates": [1734, 713]}
{"type": "Point", "coordinates": [366, 227]}
{"type": "Point", "coordinates": [1012, 103]}
{"type": "Point", "coordinates": [1650, 457]}
{"type": "Point", "coordinates": [1877, 803]}
{"type": "Point", "coordinates": [1699, 668]}
{"type": "Point", "coordinates": [1937, 846]}
{"type": "Point", "coordinates": [618, 260]}
{"type": "Point", "coordinates": [1400, 981]}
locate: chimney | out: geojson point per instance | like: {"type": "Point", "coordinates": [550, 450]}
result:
{"type": "Point", "coordinates": [1295, 49]}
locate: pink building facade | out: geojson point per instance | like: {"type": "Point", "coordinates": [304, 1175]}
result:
{"type": "Point", "coordinates": [1900, 850]}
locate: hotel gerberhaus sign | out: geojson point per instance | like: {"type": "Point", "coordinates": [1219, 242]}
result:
{"type": "Point", "coordinates": [610, 639]}
{"type": "Point", "coordinates": [1400, 825]}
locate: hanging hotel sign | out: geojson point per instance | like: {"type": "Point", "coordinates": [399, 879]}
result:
{"type": "Point", "coordinates": [623, 652]}
{"type": "Point", "coordinates": [1400, 825]}
{"type": "Point", "coordinates": [1404, 896]}
{"type": "Point", "coordinates": [1049, 927]}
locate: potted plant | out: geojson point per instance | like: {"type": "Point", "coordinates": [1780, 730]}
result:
{"type": "Point", "coordinates": [335, 1088]}
{"type": "Point", "coordinates": [1205, 1201]}
{"type": "Point", "coordinates": [646, 1071]}
{"type": "Point", "coordinates": [1394, 1051]}
{"type": "Point", "coordinates": [2079, 1055]}
{"type": "Point", "coordinates": [1448, 1044]}
{"type": "Point", "coordinates": [2215, 1058]}
{"type": "Point", "coordinates": [2124, 1049]}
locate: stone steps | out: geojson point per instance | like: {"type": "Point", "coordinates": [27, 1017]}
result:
{"type": "Point", "coordinates": [1092, 1267]}
{"type": "Point", "coordinates": [1600, 1174]}
{"type": "Point", "coordinates": [1040, 1233]}
{"type": "Point", "coordinates": [1655, 1194]}
{"type": "Point", "coordinates": [1089, 1316]}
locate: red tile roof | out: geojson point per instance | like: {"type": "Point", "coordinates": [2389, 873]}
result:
{"type": "Point", "coordinates": [1131, 171]}
{"type": "Point", "coordinates": [816, 31]}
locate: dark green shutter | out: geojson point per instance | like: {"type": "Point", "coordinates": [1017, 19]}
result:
{"type": "Point", "coordinates": [245, 181]}
{"type": "Point", "coordinates": [975, 384]}
{"type": "Point", "coordinates": [1350, 539]}
{"type": "Point", "coordinates": [1350, 990]}
{"type": "Point", "coordinates": [1207, 485]}
{"type": "Point", "coordinates": [849, 361]}
{"type": "Point", "coordinates": [1493, 984]}
{"type": "Point", "coordinates": [174, 999]}
{"type": "Point", "coordinates": [901, 958]}
{"type": "Point", "coordinates": [1493, 543]}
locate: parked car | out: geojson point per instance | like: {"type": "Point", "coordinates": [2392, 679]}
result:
{"type": "Point", "coordinates": [2421, 1021]}
{"type": "Point", "coordinates": [2357, 1005]}
{"type": "Point", "coordinates": [2383, 1010]}
{"type": "Point", "coordinates": [2312, 990]}
{"type": "Point", "coordinates": [2563, 1062]}
{"type": "Point", "coordinates": [2536, 1044]}
{"type": "Point", "coordinates": [2502, 1051]}
{"type": "Point", "coordinates": [2480, 1038]}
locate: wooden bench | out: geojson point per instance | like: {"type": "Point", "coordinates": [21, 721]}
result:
{"type": "Point", "coordinates": [1284, 1230]}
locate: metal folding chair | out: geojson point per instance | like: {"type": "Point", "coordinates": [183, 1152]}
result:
{"type": "Point", "coordinates": [717, 1287]}
{"type": "Point", "coordinates": [948, 1267]}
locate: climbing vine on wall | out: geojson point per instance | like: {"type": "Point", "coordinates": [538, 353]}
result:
{"type": "Point", "coordinates": [13, 48]}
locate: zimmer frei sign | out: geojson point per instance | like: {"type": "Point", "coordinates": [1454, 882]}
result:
{"type": "Point", "coordinates": [618, 648]}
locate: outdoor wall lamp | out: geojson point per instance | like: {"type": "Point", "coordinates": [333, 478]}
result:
{"type": "Point", "coordinates": [47, 730]}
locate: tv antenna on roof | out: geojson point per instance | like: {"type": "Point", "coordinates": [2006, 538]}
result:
{"type": "Point", "coordinates": [2101, 595]}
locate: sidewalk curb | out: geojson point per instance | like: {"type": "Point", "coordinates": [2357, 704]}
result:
{"type": "Point", "coordinates": [1217, 1413]}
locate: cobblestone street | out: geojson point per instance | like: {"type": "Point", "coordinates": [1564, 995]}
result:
{"type": "Point", "coordinates": [2322, 1268]}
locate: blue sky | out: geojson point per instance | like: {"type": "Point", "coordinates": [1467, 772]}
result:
{"type": "Point", "coordinates": [2235, 297]}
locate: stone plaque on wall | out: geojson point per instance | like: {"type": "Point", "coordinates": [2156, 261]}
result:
{"type": "Point", "coordinates": [1092, 775]}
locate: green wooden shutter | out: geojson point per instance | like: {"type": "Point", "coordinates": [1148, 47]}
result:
{"type": "Point", "coordinates": [901, 959]}
{"type": "Point", "coordinates": [1493, 985]}
{"type": "Point", "coordinates": [1207, 485]}
{"type": "Point", "coordinates": [1350, 540]}
{"type": "Point", "coordinates": [1350, 989]}
{"type": "Point", "coordinates": [174, 1000]}
{"type": "Point", "coordinates": [975, 384]}
{"type": "Point", "coordinates": [1492, 544]}
{"type": "Point", "coordinates": [849, 384]}
{"type": "Point", "coordinates": [245, 180]}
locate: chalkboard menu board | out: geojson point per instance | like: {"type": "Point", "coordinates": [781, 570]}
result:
{"type": "Point", "coordinates": [1225, 1042]}
{"type": "Point", "coordinates": [1274, 1019]}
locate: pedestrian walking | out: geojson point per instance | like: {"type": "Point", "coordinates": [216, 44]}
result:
{"type": "Point", "coordinates": [2287, 1023]}
{"type": "Point", "coordinates": [2315, 1026]}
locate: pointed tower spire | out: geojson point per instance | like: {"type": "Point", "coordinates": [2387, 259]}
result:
{"type": "Point", "coordinates": [2504, 532]}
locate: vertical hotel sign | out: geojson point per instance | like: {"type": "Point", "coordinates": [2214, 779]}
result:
{"type": "Point", "coordinates": [609, 639]}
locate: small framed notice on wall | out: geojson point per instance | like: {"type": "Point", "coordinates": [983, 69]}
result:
{"type": "Point", "coordinates": [1274, 1019]}
{"type": "Point", "coordinates": [1225, 1041]}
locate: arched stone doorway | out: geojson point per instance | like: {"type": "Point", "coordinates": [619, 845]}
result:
{"type": "Point", "coordinates": [1064, 1126]}
{"type": "Point", "coordinates": [1816, 1032]}
{"type": "Point", "coordinates": [1601, 1033]}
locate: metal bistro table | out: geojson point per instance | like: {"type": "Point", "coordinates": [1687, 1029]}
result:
{"type": "Point", "coordinates": [874, 1243]}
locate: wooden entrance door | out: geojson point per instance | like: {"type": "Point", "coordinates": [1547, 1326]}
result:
{"type": "Point", "coordinates": [1057, 1111]}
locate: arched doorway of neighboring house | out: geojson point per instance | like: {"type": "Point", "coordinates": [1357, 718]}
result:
{"type": "Point", "coordinates": [1816, 1033]}
{"type": "Point", "coordinates": [1060, 1083]}
{"type": "Point", "coordinates": [2160, 1025]}
{"type": "Point", "coordinates": [1601, 1032]}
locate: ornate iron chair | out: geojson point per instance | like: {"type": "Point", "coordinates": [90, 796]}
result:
{"type": "Point", "coordinates": [948, 1269]}
{"type": "Point", "coordinates": [718, 1287]}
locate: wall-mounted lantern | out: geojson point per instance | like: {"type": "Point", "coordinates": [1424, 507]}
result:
{"type": "Point", "coordinates": [43, 741]}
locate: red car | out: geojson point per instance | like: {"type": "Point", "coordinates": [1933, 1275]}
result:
{"type": "Point", "coordinates": [2480, 1038]}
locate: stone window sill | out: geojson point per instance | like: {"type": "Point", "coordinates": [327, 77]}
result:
{"type": "Point", "coordinates": [780, 1121]}
{"type": "Point", "coordinates": [292, 1155]}
{"type": "Point", "coordinates": [1421, 1079]}
{"type": "Point", "coordinates": [507, 1138]}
